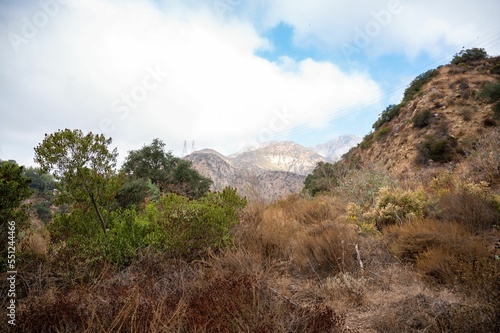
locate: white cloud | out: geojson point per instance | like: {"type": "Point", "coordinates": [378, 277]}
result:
{"type": "Point", "coordinates": [413, 27]}
{"type": "Point", "coordinates": [91, 66]}
{"type": "Point", "coordinates": [84, 59]}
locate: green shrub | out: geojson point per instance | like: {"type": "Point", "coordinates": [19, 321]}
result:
{"type": "Point", "coordinates": [469, 55]}
{"type": "Point", "coordinates": [195, 226]}
{"type": "Point", "coordinates": [367, 141]}
{"type": "Point", "coordinates": [382, 132]}
{"type": "Point", "coordinates": [182, 227]}
{"type": "Point", "coordinates": [495, 70]}
{"type": "Point", "coordinates": [325, 177]}
{"type": "Point", "coordinates": [422, 119]}
{"type": "Point", "coordinates": [491, 92]}
{"type": "Point", "coordinates": [417, 84]}
{"type": "Point", "coordinates": [362, 185]}
{"type": "Point", "coordinates": [387, 115]}
{"type": "Point", "coordinates": [43, 212]}
{"type": "Point", "coordinates": [413, 89]}
{"type": "Point", "coordinates": [496, 111]}
{"type": "Point", "coordinates": [437, 150]}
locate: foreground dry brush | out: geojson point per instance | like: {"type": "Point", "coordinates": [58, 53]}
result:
{"type": "Point", "coordinates": [296, 265]}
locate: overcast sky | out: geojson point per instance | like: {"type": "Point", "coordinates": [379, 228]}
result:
{"type": "Point", "coordinates": [222, 73]}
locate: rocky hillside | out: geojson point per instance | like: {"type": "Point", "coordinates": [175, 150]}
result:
{"type": "Point", "coordinates": [278, 156]}
{"type": "Point", "coordinates": [444, 120]}
{"type": "Point", "coordinates": [268, 171]}
{"type": "Point", "coordinates": [250, 180]}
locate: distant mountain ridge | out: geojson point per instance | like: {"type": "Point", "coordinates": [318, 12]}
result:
{"type": "Point", "coordinates": [270, 170]}
{"type": "Point", "coordinates": [334, 149]}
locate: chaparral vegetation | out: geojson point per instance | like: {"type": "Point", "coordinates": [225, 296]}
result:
{"type": "Point", "coordinates": [365, 247]}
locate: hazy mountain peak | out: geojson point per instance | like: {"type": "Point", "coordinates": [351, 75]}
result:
{"type": "Point", "coordinates": [282, 164]}
{"type": "Point", "coordinates": [334, 149]}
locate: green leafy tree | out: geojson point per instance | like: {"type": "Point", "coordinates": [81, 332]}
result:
{"type": "Point", "coordinates": [187, 181]}
{"type": "Point", "coordinates": [83, 165]}
{"type": "Point", "coordinates": [40, 181]}
{"type": "Point", "coordinates": [325, 177]}
{"type": "Point", "coordinates": [150, 162]}
{"type": "Point", "coordinates": [14, 189]}
{"type": "Point", "coordinates": [169, 173]}
{"type": "Point", "coordinates": [468, 55]}
{"type": "Point", "coordinates": [135, 191]}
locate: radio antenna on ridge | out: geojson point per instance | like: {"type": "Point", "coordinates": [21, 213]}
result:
{"type": "Point", "coordinates": [184, 151]}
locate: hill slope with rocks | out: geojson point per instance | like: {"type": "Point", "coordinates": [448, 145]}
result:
{"type": "Point", "coordinates": [446, 121]}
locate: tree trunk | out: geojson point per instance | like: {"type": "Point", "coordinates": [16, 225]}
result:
{"type": "Point", "coordinates": [103, 224]}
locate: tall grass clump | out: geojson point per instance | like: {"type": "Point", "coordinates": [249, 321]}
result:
{"type": "Point", "coordinates": [449, 254]}
{"type": "Point", "coordinates": [308, 234]}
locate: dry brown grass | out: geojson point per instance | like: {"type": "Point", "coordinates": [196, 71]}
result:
{"type": "Point", "coordinates": [450, 255]}
{"type": "Point", "coordinates": [327, 248]}
{"type": "Point", "coordinates": [36, 242]}
{"type": "Point", "coordinates": [187, 299]}
{"type": "Point", "coordinates": [483, 157]}
{"type": "Point", "coordinates": [431, 312]}
{"type": "Point", "coordinates": [305, 233]}
{"type": "Point", "coordinates": [470, 204]}
{"type": "Point", "coordinates": [293, 267]}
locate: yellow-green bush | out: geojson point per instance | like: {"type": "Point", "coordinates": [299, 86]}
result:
{"type": "Point", "coordinates": [395, 205]}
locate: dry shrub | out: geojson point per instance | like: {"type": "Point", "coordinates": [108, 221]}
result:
{"type": "Point", "coordinates": [142, 298]}
{"type": "Point", "coordinates": [307, 211]}
{"type": "Point", "coordinates": [345, 288]}
{"type": "Point", "coordinates": [228, 292]}
{"type": "Point", "coordinates": [466, 264]}
{"type": "Point", "coordinates": [36, 242]}
{"type": "Point", "coordinates": [296, 228]}
{"type": "Point", "coordinates": [449, 254]}
{"type": "Point", "coordinates": [275, 231]}
{"type": "Point", "coordinates": [225, 301]}
{"type": "Point", "coordinates": [51, 312]}
{"type": "Point", "coordinates": [326, 248]}
{"type": "Point", "coordinates": [483, 157]}
{"type": "Point", "coordinates": [227, 304]}
{"type": "Point", "coordinates": [105, 309]}
{"type": "Point", "coordinates": [266, 231]}
{"type": "Point", "coordinates": [238, 260]}
{"type": "Point", "coordinates": [470, 205]}
{"type": "Point", "coordinates": [429, 313]}
{"type": "Point", "coordinates": [412, 239]}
